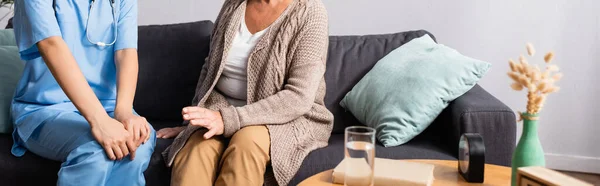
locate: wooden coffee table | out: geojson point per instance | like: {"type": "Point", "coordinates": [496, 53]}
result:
{"type": "Point", "coordinates": [445, 173]}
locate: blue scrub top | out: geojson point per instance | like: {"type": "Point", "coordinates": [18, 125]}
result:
{"type": "Point", "coordinates": [36, 20]}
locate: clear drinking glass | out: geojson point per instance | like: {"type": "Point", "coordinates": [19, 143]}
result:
{"type": "Point", "coordinates": [360, 156]}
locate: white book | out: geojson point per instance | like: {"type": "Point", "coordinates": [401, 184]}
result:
{"type": "Point", "coordinates": [389, 172]}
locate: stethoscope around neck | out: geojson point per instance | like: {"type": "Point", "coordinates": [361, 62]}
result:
{"type": "Point", "coordinates": [99, 43]}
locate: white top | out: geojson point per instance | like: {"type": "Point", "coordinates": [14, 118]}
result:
{"type": "Point", "coordinates": [233, 81]}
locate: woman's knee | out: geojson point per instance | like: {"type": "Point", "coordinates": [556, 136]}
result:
{"type": "Point", "coordinates": [198, 147]}
{"type": "Point", "coordinates": [252, 140]}
{"type": "Point", "coordinates": [196, 142]}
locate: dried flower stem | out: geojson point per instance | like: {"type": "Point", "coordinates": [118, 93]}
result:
{"type": "Point", "coordinates": [539, 84]}
{"type": "Point", "coordinates": [530, 49]}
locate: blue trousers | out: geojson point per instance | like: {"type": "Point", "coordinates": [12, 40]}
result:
{"type": "Point", "coordinates": [67, 138]}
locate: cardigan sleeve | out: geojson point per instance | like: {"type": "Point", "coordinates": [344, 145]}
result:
{"type": "Point", "coordinates": [306, 71]}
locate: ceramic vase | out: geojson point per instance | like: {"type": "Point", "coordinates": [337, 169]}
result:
{"type": "Point", "coordinates": [529, 150]}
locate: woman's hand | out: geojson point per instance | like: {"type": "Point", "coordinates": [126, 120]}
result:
{"type": "Point", "coordinates": [137, 126]}
{"type": "Point", "coordinates": [111, 135]}
{"type": "Point", "coordinates": [206, 118]}
{"type": "Point", "coordinates": [169, 132]}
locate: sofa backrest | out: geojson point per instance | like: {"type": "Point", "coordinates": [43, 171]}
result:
{"type": "Point", "coordinates": [170, 60]}
{"type": "Point", "coordinates": [171, 57]}
{"type": "Point", "coordinates": [350, 58]}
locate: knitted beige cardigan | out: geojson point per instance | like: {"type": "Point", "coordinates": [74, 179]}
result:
{"type": "Point", "coordinates": [286, 85]}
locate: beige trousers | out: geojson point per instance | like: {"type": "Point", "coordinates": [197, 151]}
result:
{"type": "Point", "coordinates": [214, 162]}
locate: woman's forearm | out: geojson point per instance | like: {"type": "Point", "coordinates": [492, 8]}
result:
{"type": "Point", "coordinates": [127, 73]}
{"type": "Point", "coordinates": [65, 70]}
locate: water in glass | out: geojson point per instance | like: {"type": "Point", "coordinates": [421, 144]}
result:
{"type": "Point", "coordinates": [360, 156]}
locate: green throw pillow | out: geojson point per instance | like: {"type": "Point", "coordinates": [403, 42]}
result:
{"type": "Point", "coordinates": [407, 89]}
{"type": "Point", "coordinates": [7, 37]}
{"type": "Point", "coordinates": [11, 68]}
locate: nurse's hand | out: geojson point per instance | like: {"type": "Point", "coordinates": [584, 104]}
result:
{"type": "Point", "coordinates": [111, 134]}
{"type": "Point", "coordinates": [137, 126]}
{"type": "Point", "coordinates": [209, 119]}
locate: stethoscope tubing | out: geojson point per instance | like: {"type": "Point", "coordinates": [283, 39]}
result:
{"type": "Point", "coordinates": [114, 25]}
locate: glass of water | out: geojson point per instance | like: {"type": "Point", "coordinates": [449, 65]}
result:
{"type": "Point", "coordinates": [360, 156]}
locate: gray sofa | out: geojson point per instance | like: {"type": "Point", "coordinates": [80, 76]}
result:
{"type": "Point", "coordinates": [171, 57]}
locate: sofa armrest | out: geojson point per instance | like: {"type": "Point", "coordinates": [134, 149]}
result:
{"type": "Point", "coordinates": [477, 111]}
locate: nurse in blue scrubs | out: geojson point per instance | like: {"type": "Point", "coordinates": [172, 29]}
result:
{"type": "Point", "coordinates": [74, 103]}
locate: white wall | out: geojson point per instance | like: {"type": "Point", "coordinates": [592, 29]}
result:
{"type": "Point", "coordinates": [3, 22]}
{"type": "Point", "coordinates": [489, 30]}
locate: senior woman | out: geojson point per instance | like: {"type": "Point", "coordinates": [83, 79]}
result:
{"type": "Point", "coordinates": [259, 99]}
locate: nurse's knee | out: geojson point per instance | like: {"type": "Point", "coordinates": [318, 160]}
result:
{"type": "Point", "coordinates": [90, 156]}
{"type": "Point", "coordinates": [143, 153]}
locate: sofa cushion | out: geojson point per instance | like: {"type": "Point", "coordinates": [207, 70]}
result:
{"type": "Point", "coordinates": [407, 89]}
{"type": "Point", "coordinates": [170, 60]}
{"type": "Point", "coordinates": [11, 68]}
{"type": "Point", "coordinates": [7, 37]}
{"type": "Point", "coordinates": [158, 173]}
{"type": "Point", "coordinates": [20, 171]}
{"type": "Point", "coordinates": [350, 58]}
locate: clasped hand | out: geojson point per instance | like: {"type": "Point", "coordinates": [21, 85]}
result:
{"type": "Point", "coordinates": [122, 135]}
{"type": "Point", "coordinates": [197, 116]}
